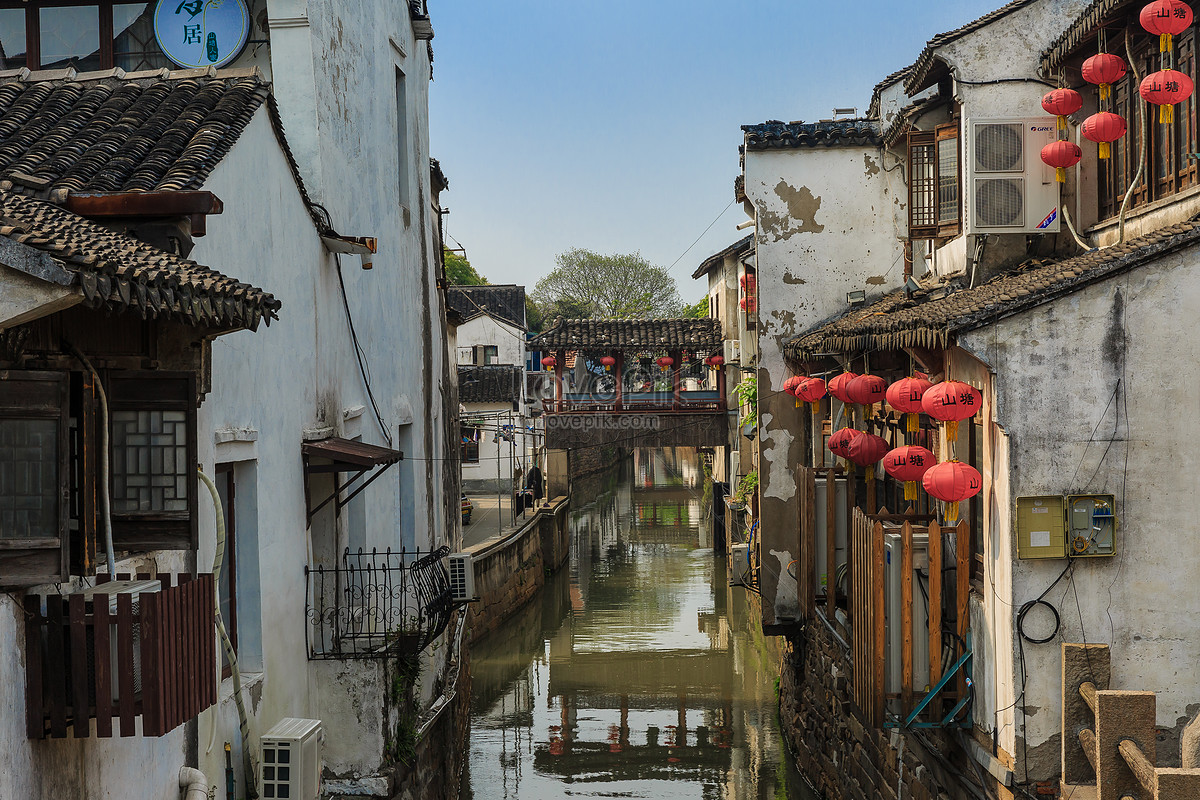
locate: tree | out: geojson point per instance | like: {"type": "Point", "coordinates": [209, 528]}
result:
{"type": "Point", "coordinates": [697, 311]}
{"type": "Point", "coordinates": [460, 272]}
{"type": "Point", "coordinates": [621, 285]}
{"type": "Point", "coordinates": [533, 316]}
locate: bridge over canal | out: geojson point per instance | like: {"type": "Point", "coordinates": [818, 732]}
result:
{"type": "Point", "coordinates": [636, 383]}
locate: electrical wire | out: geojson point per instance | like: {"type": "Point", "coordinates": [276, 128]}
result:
{"type": "Point", "coordinates": [360, 355]}
{"type": "Point", "coordinates": [701, 236]}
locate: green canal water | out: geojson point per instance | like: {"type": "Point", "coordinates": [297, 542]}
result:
{"type": "Point", "coordinates": [638, 672]}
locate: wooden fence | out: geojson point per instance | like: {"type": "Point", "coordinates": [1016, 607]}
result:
{"type": "Point", "coordinates": [158, 655]}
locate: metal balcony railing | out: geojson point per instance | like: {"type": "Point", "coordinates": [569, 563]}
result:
{"type": "Point", "coordinates": [376, 603]}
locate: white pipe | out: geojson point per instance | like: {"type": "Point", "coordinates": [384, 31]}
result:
{"type": "Point", "coordinates": [193, 783]}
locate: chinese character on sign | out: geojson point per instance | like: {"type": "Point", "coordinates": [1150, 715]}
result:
{"type": "Point", "coordinates": [1172, 86]}
{"type": "Point", "coordinates": [193, 7]}
{"type": "Point", "coordinates": [191, 34]}
{"type": "Point", "coordinates": [1180, 13]}
{"type": "Point", "coordinates": [967, 399]}
{"type": "Point", "coordinates": [916, 460]}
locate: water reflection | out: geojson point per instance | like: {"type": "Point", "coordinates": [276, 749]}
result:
{"type": "Point", "coordinates": [636, 673]}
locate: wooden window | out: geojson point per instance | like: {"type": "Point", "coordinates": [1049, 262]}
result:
{"type": "Point", "coordinates": [470, 444]}
{"type": "Point", "coordinates": [934, 183]}
{"type": "Point", "coordinates": [228, 584]}
{"type": "Point", "coordinates": [34, 475]}
{"type": "Point", "coordinates": [53, 34]}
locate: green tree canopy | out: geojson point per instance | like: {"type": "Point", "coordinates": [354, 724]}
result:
{"type": "Point", "coordinates": [460, 272]}
{"type": "Point", "coordinates": [699, 310]}
{"type": "Point", "coordinates": [622, 285]}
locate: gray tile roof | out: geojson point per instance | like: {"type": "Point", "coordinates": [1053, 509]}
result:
{"type": "Point", "coordinates": [919, 71]}
{"type": "Point", "coordinates": [1081, 31]}
{"type": "Point", "coordinates": [118, 273]}
{"type": "Point", "coordinates": [837, 133]}
{"type": "Point", "coordinates": [703, 335]}
{"type": "Point", "coordinates": [502, 302]}
{"type": "Point", "coordinates": [496, 383]}
{"type": "Point", "coordinates": [929, 319]}
{"type": "Point", "coordinates": [743, 245]}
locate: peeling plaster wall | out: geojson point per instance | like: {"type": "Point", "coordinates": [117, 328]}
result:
{"type": "Point", "coordinates": [825, 227]}
{"type": "Point", "coordinates": [1057, 368]}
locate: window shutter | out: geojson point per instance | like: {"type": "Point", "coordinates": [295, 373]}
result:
{"type": "Point", "coordinates": [153, 461]}
{"type": "Point", "coordinates": [922, 185]}
{"type": "Point", "coordinates": [34, 477]}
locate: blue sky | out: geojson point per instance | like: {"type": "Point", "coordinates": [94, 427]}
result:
{"type": "Point", "coordinates": [614, 125]}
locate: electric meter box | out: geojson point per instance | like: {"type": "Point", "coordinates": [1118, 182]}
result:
{"type": "Point", "coordinates": [1091, 525]}
{"type": "Point", "coordinates": [1041, 527]}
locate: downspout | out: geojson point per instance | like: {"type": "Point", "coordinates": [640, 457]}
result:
{"type": "Point", "coordinates": [193, 783]}
{"type": "Point", "coordinates": [102, 478]}
{"type": "Point", "coordinates": [227, 646]}
{"type": "Point", "coordinates": [1141, 107]}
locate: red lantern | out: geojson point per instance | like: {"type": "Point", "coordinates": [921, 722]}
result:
{"type": "Point", "coordinates": [811, 390]}
{"type": "Point", "coordinates": [747, 304]}
{"type": "Point", "coordinates": [840, 440]}
{"type": "Point", "coordinates": [866, 390]}
{"type": "Point", "coordinates": [905, 396]}
{"type": "Point", "coordinates": [747, 282]}
{"type": "Point", "coordinates": [608, 362]}
{"type": "Point", "coordinates": [866, 449]}
{"type": "Point", "coordinates": [951, 402]}
{"type": "Point", "coordinates": [665, 362]}
{"type": "Point", "coordinates": [1060, 103]}
{"type": "Point", "coordinates": [1103, 69]}
{"type": "Point", "coordinates": [1103, 128]}
{"type": "Point", "coordinates": [715, 361]}
{"type": "Point", "coordinates": [1166, 18]}
{"type": "Point", "coordinates": [1164, 89]}
{"type": "Point", "coordinates": [838, 385]}
{"type": "Point", "coordinates": [950, 482]}
{"type": "Point", "coordinates": [908, 464]}
{"type": "Point", "coordinates": [1061, 154]}
{"type": "Point", "coordinates": [790, 386]}
{"type": "Point", "coordinates": [548, 362]}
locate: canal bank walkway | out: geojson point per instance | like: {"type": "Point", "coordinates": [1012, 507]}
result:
{"type": "Point", "coordinates": [490, 520]}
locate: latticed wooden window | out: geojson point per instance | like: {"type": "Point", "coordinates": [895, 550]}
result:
{"type": "Point", "coordinates": [934, 183]}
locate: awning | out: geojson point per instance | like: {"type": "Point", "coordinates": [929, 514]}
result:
{"type": "Point", "coordinates": [336, 455]}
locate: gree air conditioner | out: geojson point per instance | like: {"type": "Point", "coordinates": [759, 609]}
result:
{"type": "Point", "coordinates": [290, 767]}
{"type": "Point", "coordinates": [462, 577]}
{"type": "Point", "coordinates": [1006, 186]}
{"type": "Point", "coordinates": [732, 351]}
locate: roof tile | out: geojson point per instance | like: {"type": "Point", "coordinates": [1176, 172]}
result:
{"type": "Point", "coordinates": [702, 335]}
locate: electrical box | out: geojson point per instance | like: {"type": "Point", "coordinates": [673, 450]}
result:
{"type": "Point", "coordinates": [1041, 527]}
{"type": "Point", "coordinates": [1091, 525]}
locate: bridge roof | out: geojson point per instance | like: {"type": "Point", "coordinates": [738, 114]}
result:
{"type": "Point", "coordinates": [630, 334]}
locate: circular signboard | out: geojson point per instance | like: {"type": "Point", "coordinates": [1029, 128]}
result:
{"type": "Point", "coordinates": [201, 33]}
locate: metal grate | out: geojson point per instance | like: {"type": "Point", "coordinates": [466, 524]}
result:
{"type": "Point", "coordinates": [999, 202]}
{"type": "Point", "coordinates": [998, 148]}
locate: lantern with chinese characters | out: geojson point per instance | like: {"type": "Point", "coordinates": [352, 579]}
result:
{"type": "Point", "coordinates": [715, 361]}
{"type": "Point", "coordinates": [866, 391]}
{"type": "Point", "coordinates": [951, 482]}
{"type": "Point", "coordinates": [866, 449]}
{"type": "Point", "coordinates": [665, 362]}
{"type": "Point", "coordinates": [1061, 103]}
{"type": "Point", "coordinates": [905, 396]}
{"type": "Point", "coordinates": [790, 386]}
{"type": "Point", "coordinates": [1103, 70]}
{"type": "Point", "coordinates": [747, 304]}
{"type": "Point", "coordinates": [1103, 128]}
{"type": "Point", "coordinates": [747, 282]}
{"type": "Point", "coordinates": [838, 385]}
{"type": "Point", "coordinates": [1164, 89]}
{"type": "Point", "coordinates": [908, 464]}
{"type": "Point", "coordinates": [811, 390]}
{"type": "Point", "coordinates": [839, 442]}
{"type": "Point", "coordinates": [1061, 154]}
{"type": "Point", "coordinates": [1166, 18]}
{"type": "Point", "coordinates": [951, 402]}
{"type": "Point", "coordinates": [548, 362]}
{"type": "Point", "coordinates": [608, 362]}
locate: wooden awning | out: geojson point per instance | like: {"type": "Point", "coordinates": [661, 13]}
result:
{"type": "Point", "coordinates": [348, 455]}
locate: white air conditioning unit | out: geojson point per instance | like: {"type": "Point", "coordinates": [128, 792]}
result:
{"type": "Point", "coordinates": [290, 767]}
{"type": "Point", "coordinates": [732, 351]}
{"type": "Point", "coordinates": [135, 589]}
{"type": "Point", "coordinates": [841, 528]}
{"type": "Point", "coordinates": [462, 577]}
{"type": "Point", "coordinates": [893, 576]}
{"type": "Point", "coordinates": [1007, 186]}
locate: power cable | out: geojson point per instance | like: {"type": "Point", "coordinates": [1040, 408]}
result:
{"type": "Point", "coordinates": [701, 236]}
{"type": "Point", "coordinates": [358, 352]}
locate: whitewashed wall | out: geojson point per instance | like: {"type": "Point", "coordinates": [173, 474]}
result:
{"type": "Point", "coordinates": [485, 330]}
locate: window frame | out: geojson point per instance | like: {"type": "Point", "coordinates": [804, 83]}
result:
{"type": "Point", "coordinates": [33, 28]}
{"type": "Point", "coordinates": [938, 228]}
{"type": "Point", "coordinates": [226, 473]}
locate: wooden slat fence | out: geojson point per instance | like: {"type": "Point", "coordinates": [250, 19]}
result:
{"type": "Point", "coordinates": [163, 664]}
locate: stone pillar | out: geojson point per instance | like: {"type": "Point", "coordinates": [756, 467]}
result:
{"type": "Point", "coordinates": [1120, 716]}
{"type": "Point", "coordinates": [1081, 663]}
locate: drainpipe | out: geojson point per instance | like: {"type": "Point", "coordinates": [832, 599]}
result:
{"type": "Point", "coordinates": [193, 783]}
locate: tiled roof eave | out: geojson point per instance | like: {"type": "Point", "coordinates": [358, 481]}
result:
{"type": "Point", "coordinates": [919, 71]}
{"type": "Point", "coordinates": [1082, 29]}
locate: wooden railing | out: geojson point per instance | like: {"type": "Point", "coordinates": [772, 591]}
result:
{"type": "Point", "coordinates": [636, 403]}
{"type": "Point", "coordinates": [158, 657]}
{"type": "Point", "coordinates": [1109, 737]}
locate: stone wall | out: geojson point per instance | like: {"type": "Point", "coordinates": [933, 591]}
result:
{"type": "Point", "coordinates": [842, 757]}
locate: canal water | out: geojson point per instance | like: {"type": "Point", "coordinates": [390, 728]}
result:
{"type": "Point", "coordinates": [638, 672]}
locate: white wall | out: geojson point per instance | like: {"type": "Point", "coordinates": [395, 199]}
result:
{"type": "Point", "coordinates": [485, 330]}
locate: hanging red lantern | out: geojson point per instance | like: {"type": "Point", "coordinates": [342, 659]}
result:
{"type": "Point", "coordinates": [715, 361]}
{"type": "Point", "coordinates": [1061, 103]}
{"type": "Point", "coordinates": [548, 362]}
{"type": "Point", "coordinates": [811, 390]}
{"type": "Point", "coordinates": [665, 362]}
{"type": "Point", "coordinates": [839, 442]}
{"type": "Point", "coordinates": [951, 482]}
{"type": "Point", "coordinates": [905, 396]}
{"type": "Point", "coordinates": [747, 282]}
{"type": "Point", "coordinates": [1103, 70]}
{"type": "Point", "coordinates": [1061, 154]}
{"type": "Point", "coordinates": [608, 362]}
{"type": "Point", "coordinates": [746, 304]}
{"type": "Point", "coordinates": [1104, 127]}
{"type": "Point", "coordinates": [1164, 89]}
{"type": "Point", "coordinates": [951, 402]}
{"type": "Point", "coordinates": [866, 390]}
{"type": "Point", "coordinates": [790, 386]}
{"type": "Point", "coordinates": [1166, 18]}
{"type": "Point", "coordinates": [908, 464]}
{"type": "Point", "coordinates": [838, 385]}
{"type": "Point", "coordinates": [866, 449]}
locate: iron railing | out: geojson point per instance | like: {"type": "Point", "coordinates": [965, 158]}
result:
{"type": "Point", "coordinates": [376, 603]}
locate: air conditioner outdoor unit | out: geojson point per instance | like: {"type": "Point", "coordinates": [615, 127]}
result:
{"type": "Point", "coordinates": [1007, 187]}
{"type": "Point", "coordinates": [732, 351]}
{"type": "Point", "coordinates": [290, 767]}
{"type": "Point", "coordinates": [841, 529]}
{"type": "Point", "coordinates": [462, 577]}
{"type": "Point", "coordinates": [893, 575]}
